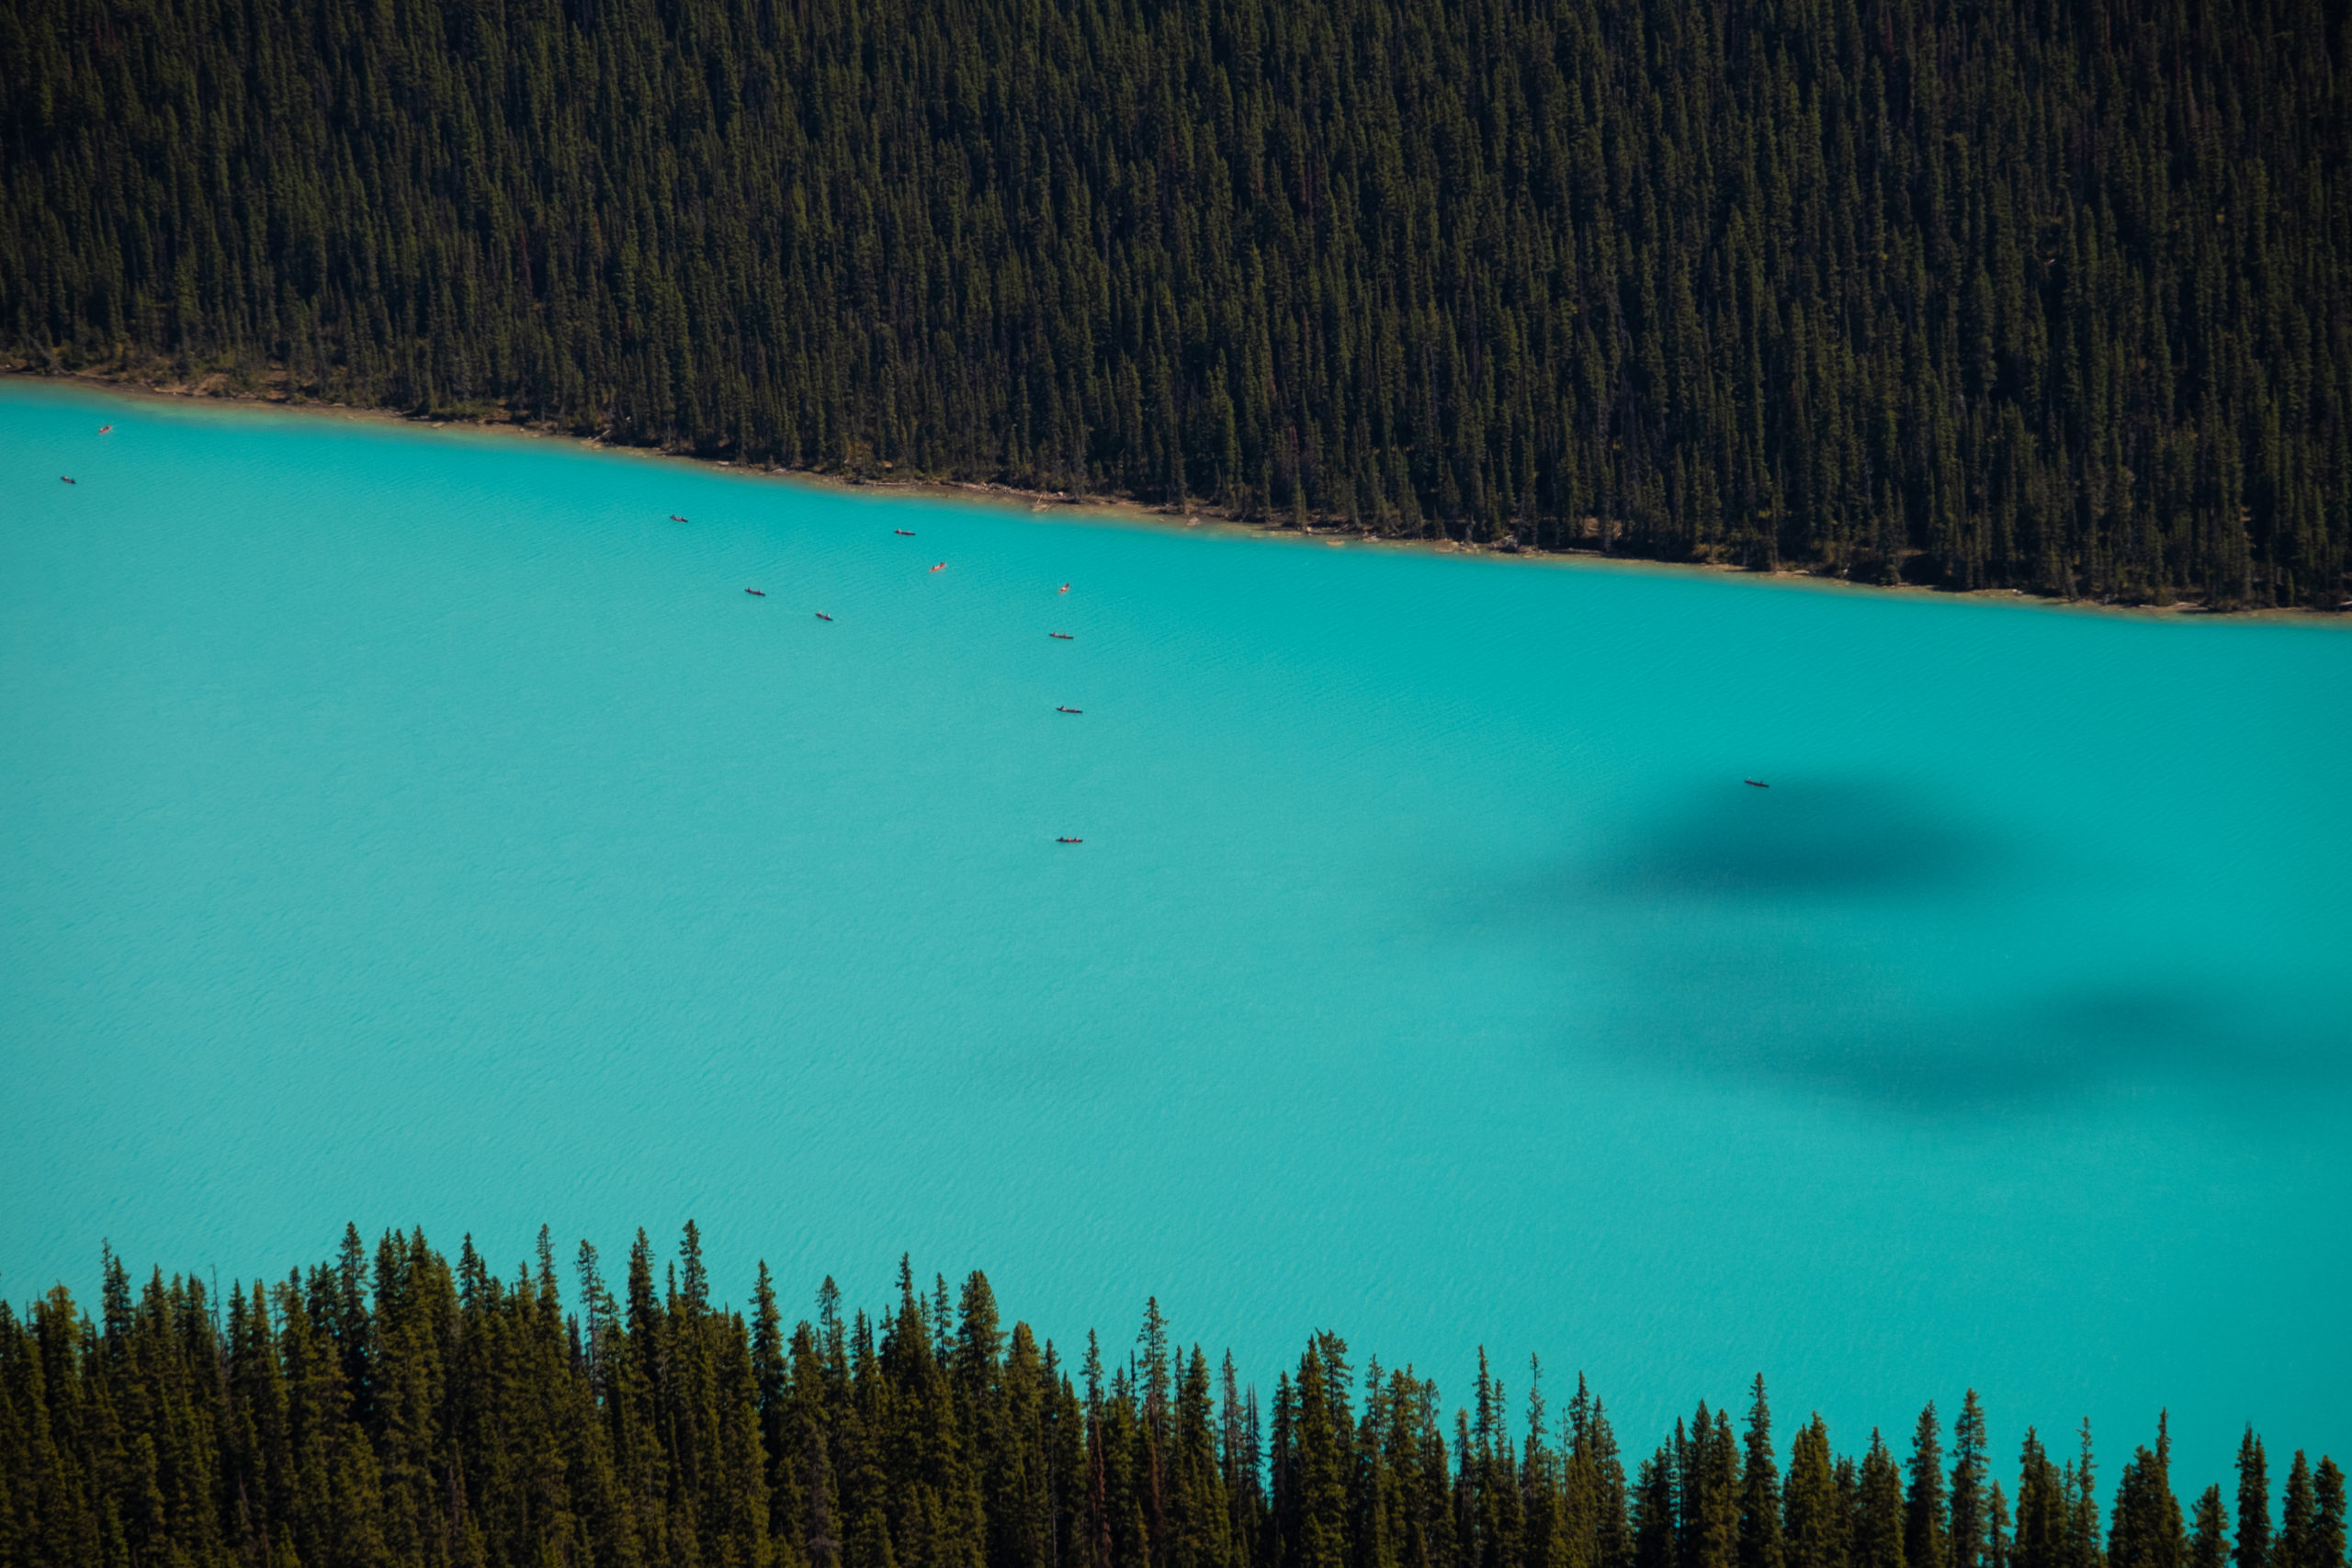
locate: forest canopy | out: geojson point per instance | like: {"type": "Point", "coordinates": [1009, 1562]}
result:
{"type": "Point", "coordinates": [2041, 293]}
{"type": "Point", "coordinates": [386, 1408]}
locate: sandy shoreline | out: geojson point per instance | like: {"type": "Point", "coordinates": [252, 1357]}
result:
{"type": "Point", "coordinates": [1093, 508]}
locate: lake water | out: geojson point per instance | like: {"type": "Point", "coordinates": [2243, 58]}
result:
{"type": "Point", "coordinates": [416, 826]}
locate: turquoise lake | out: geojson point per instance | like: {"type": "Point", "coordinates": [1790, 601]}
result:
{"type": "Point", "coordinates": [417, 826]}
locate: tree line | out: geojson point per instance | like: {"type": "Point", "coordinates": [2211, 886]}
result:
{"type": "Point", "coordinates": [2041, 293]}
{"type": "Point", "coordinates": [394, 1409]}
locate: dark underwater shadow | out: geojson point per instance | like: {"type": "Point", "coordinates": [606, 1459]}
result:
{"type": "Point", "coordinates": [1841, 838]}
{"type": "Point", "coordinates": [1864, 940]}
{"type": "Point", "coordinates": [2229, 1042]}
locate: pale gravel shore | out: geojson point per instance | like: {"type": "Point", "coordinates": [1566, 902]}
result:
{"type": "Point", "coordinates": [212, 390]}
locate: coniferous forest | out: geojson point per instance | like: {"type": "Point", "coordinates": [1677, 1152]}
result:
{"type": "Point", "coordinates": [389, 1409]}
{"type": "Point", "coordinates": [2044, 294]}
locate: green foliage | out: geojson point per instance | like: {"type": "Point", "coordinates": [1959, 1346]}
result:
{"type": "Point", "coordinates": [1816, 1522]}
{"type": "Point", "coordinates": [1977, 292]}
{"type": "Point", "coordinates": [1925, 1542]}
{"type": "Point", "coordinates": [1969, 1506]}
{"type": "Point", "coordinates": [2148, 1532]}
{"type": "Point", "coordinates": [2253, 1547]}
{"type": "Point", "coordinates": [1878, 1521]}
{"type": "Point", "coordinates": [2209, 1541]}
{"type": "Point", "coordinates": [398, 1410]}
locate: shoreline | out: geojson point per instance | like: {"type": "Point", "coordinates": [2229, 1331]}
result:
{"type": "Point", "coordinates": [1127, 510]}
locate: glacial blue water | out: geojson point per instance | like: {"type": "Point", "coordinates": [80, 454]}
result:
{"type": "Point", "coordinates": [418, 827]}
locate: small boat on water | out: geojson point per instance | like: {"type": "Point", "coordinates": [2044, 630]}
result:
{"type": "Point", "coordinates": [904, 533]}
{"type": "Point", "coordinates": [1064, 635]}
{"type": "Point", "coordinates": [65, 478]}
{"type": "Point", "coordinates": [1069, 841]}
{"type": "Point", "coordinates": [941, 567]}
{"type": "Point", "coordinates": [1060, 709]}
{"type": "Point", "coordinates": [1063, 588]}
{"type": "Point", "coordinates": [822, 617]}
{"type": "Point", "coordinates": [105, 430]}
{"type": "Point", "coordinates": [675, 518]}
{"type": "Point", "coordinates": [757, 593]}
{"type": "Point", "coordinates": [1756, 783]}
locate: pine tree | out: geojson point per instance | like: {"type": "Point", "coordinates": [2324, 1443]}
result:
{"type": "Point", "coordinates": [1925, 1536]}
{"type": "Point", "coordinates": [1760, 1542]}
{"type": "Point", "coordinates": [1814, 1515]}
{"type": "Point", "coordinates": [2209, 1541]}
{"type": "Point", "coordinates": [2252, 1548]}
{"type": "Point", "coordinates": [2328, 1515]}
{"type": "Point", "coordinates": [1968, 1500]}
{"type": "Point", "coordinates": [1879, 1526]}
{"type": "Point", "coordinates": [1656, 1509]}
{"type": "Point", "coordinates": [2298, 1545]}
{"type": "Point", "coordinates": [2146, 1529]}
{"type": "Point", "coordinates": [2079, 1545]}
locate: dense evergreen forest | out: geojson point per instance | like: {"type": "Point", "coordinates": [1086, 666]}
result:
{"type": "Point", "coordinates": [2047, 294]}
{"type": "Point", "coordinates": [392, 1410]}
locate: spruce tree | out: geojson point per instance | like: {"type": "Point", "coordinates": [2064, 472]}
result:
{"type": "Point", "coordinates": [2298, 1544]}
{"type": "Point", "coordinates": [1925, 1542]}
{"type": "Point", "coordinates": [2328, 1515]}
{"type": "Point", "coordinates": [1760, 1541]}
{"type": "Point", "coordinates": [1968, 1503]}
{"type": "Point", "coordinates": [2209, 1541]}
{"type": "Point", "coordinates": [1879, 1526]}
{"type": "Point", "coordinates": [2147, 1528]}
{"type": "Point", "coordinates": [2253, 1547]}
{"type": "Point", "coordinates": [1814, 1527]}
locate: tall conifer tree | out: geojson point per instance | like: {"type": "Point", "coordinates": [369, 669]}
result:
{"type": "Point", "coordinates": [1925, 1542]}
{"type": "Point", "coordinates": [1968, 1505]}
{"type": "Point", "coordinates": [2252, 1548]}
{"type": "Point", "coordinates": [1879, 1526]}
{"type": "Point", "coordinates": [1760, 1544]}
{"type": "Point", "coordinates": [2209, 1539]}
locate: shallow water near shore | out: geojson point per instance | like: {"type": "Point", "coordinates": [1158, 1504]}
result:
{"type": "Point", "coordinates": [419, 828]}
